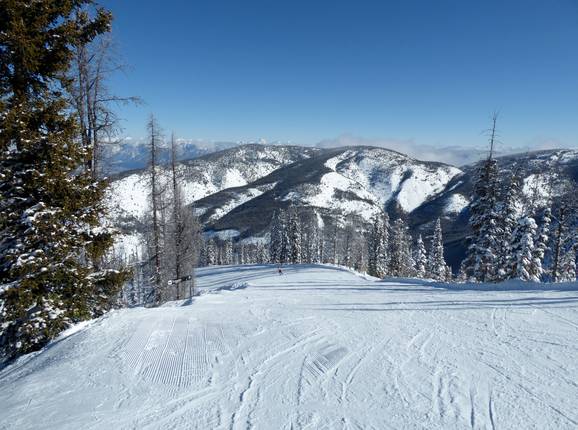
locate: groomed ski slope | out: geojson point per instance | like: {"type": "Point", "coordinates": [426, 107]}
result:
{"type": "Point", "coordinates": [316, 348]}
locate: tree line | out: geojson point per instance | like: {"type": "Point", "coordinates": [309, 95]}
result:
{"type": "Point", "coordinates": [302, 237]}
{"type": "Point", "coordinates": [514, 236]}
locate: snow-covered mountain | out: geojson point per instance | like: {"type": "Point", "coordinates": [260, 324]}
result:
{"type": "Point", "coordinates": [336, 183]}
{"type": "Point", "coordinates": [236, 191]}
{"type": "Point", "coordinates": [203, 176]}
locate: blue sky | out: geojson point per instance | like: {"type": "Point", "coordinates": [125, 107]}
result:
{"type": "Point", "coordinates": [421, 71]}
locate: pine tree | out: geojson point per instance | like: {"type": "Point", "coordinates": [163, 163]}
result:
{"type": "Point", "coordinates": [436, 261]}
{"type": "Point", "coordinates": [481, 262]}
{"type": "Point", "coordinates": [541, 245]}
{"type": "Point", "coordinates": [285, 243]}
{"type": "Point", "coordinates": [449, 275]}
{"type": "Point", "coordinates": [210, 252]}
{"type": "Point", "coordinates": [568, 265]}
{"type": "Point", "coordinates": [227, 252]}
{"type": "Point", "coordinates": [401, 263]}
{"type": "Point", "coordinates": [507, 221]}
{"type": "Point", "coordinates": [420, 258]}
{"type": "Point", "coordinates": [378, 246]}
{"type": "Point", "coordinates": [51, 241]}
{"type": "Point", "coordinates": [523, 249]}
{"type": "Point", "coordinates": [276, 238]}
{"type": "Point", "coordinates": [294, 236]}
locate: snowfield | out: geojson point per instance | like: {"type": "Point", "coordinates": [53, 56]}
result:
{"type": "Point", "coordinates": [319, 348]}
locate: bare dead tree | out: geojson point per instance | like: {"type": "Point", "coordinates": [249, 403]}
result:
{"type": "Point", "coordinates": [93, 66]}
{"type": "Point", "coordinates": [184, 234]}
{"type": "Point", "coordinates": [155, 194]}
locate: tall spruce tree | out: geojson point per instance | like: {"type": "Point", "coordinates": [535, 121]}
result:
{"type": "Point", "coordinates": [481, 259]}
{"type": "Point", "coordinates": [508, 206]}
{"type": "Point", "coordinates": [436, 262]}
{"type": "Point", "coordinates": [378, 246]}
{"type": "Point", "coordinates": [51, 240]}
{"type": "Point", "coordinates": [275, 238]}
{"type": "Point", "coordinates": [420, 258]}
{"type": "Point", "coordinates": [294, 235]}
{"type": "Point", "coordinates": [523, 249]}
{"type": "Point", "coordinates": [541, 245]}
{"type": "Point", "coordinates": [568, 265]}
{"type": "Point", "coordinates": [401, 263]}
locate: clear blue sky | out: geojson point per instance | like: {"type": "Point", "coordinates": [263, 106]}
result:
{"type": "Point", "coordinates": [303, 71]}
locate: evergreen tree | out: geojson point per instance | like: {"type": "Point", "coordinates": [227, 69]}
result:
{"type": "Point", "coordinates": [294, 236]}
{"type": "Point", "coordinates": [378, 246]}
{"type": "Point", "coordinates": [449, 275]}
{"type": "Point", "coordinates": [568, 265]}
{"type": "Point", "coordinates": [436, 261]}
{"type": "Point", "coordinates": [51, 241]}
{"type": "Point", "coordinates": [420, 258]}
{"type": "Point", "coordinates": [227, 252]}
{"type": "Point", "coordinates": [523, 249]}
{"type": "Point", "coordinates": [276, 238]}
{"type": "Point", "coordinates": [481, 262]}
{"type": "Point", "coordinates": [401, 262]}
{"type": "Point", "coordinates": [541, 245]}
{"type": "Point", "coordinates": [210, 252]}
{"type": "Point", "coordinates": [508, 206]}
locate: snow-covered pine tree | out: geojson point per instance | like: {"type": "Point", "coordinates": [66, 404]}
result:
{"type": "Point", "coordinates": [210, 252]}
{"type": "Point", "coordinates": [568, 265]}
{"type": "Point", "coordinates": [285, 243]}
{"type": "Point", "coordinates": [294, 235]}
{"type": "Point", "coordinates": [275, 238]}
{"type": "Point", "coordinates": [227, 252]}
{"type": "Point", "coordinates": [378, 246]}
{"type": "Point", "coordinates": [436, 262]}
{"type": "Point", "coordinates": [449, 275]}
{"type": "Point", "coordinates": [383, 257]}
{"type": "Point", "coordinates": [348, 244]}
{"type": "Point", "coordinates": [541, 245]}
{"type": "Point", "coordinates": [481, 259]}
{"type": "Point", "coordinates": [420, 258]}
{"type": "Point", "coordinates": [373, 245]}
{"type": "Point", "coordinates": [508, 208]}
{"type": "Point", "coordinates": [523, 249]}
{"type": "Point", "coordinates": [262, 255]}
{"type": "Point", "coordinates": [51, 238]}
{"type": "Point", "coordinates": [313, 241]}
{"type": "Point", "coordinates": [401, 262]}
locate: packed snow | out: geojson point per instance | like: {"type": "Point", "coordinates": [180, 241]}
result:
{"type": "Point", "coordinates": [456, 203]}
{"type": "Point", "coordinates": [317, 347]}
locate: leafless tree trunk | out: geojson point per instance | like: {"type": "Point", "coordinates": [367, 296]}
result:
{"type": "Point", "coordinates": [185, 231]}
{"type": "Point", "coordinates": [98, 123]}
{"type": "Point", "coordinates": [156, 206]}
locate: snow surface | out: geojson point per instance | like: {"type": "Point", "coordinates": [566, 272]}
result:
{"type": "Point", "coordinates": [317, 347]}
{"type": "Point", "coordinates": [455, 204]}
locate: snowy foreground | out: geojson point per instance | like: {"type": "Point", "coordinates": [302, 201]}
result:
{"type": "Point", "coordinates": [318, 347]}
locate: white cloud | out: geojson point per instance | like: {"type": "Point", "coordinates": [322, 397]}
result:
{"type": "Point", "coordinates": [449, 154]}
{"type": "Point", "coordinates": [455, 155]}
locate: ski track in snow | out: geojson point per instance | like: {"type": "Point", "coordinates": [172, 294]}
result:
{"type": "Point", "coordinates": [316, 348]}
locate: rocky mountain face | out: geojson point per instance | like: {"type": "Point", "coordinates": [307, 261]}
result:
{"type": "Point", "coordinates": [236, 191]}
